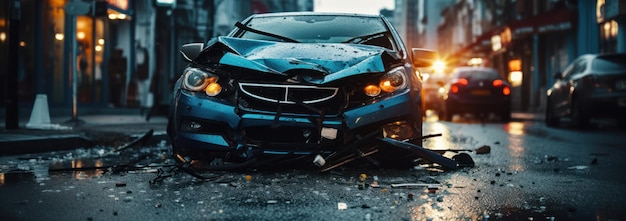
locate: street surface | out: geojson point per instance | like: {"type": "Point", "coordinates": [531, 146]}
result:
{"type": "Point", "coordinates": [523, 171]}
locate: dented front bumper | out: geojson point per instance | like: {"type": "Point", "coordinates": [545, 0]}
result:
{"type": "Point", "coordinates": [211, 129]}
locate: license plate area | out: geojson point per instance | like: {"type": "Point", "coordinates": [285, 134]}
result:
{"type": "Point", "coordinates": [481, 92]}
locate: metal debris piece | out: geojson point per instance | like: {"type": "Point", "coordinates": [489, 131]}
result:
{"type": "Point", "coordinates": [423, 153]}
{"type": "Point", "coordinates": [141, 140]}
{"type": "Point", "coordinates": [427, 185]}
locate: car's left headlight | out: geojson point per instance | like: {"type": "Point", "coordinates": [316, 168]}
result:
{"type": "Point", "coordinates": [393, 80]}
{"type": "Point", "coordinates": [197, 80]}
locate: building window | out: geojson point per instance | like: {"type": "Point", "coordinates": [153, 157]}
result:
{"type": "Point", "coordinates": [608, 36]}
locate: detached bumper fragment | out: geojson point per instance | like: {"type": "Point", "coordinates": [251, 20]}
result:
{"type": "Point", "coordinates": [423, 153]}
{"type": "Point", "coordinates": [352, 152]}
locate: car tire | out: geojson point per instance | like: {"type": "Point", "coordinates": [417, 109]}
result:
{"type": "Point", "coordinates": [445, 114]}
{"type": "Point", "coordinates": [505, 116]}
{"type": "Point", "coordinates": [551, 119]}
{"type": "Point", "coordinates": [579, 118]}
{"type": "Point", "coordinates": [448, 114]}
{"type": "Point", "coordinates": [441, 114]}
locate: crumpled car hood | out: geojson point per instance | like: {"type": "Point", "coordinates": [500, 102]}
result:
{"type": "Point", "coordinates": [336, 61]}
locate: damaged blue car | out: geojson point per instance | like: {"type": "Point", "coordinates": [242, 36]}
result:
{"type": "Point", "coordinates": [320, 88]}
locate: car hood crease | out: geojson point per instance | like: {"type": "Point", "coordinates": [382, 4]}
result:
{"type": "Point", "coordinates": [336, 61]}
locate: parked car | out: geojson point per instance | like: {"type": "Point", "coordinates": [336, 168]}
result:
{"type": "Point", "coordinates": [593, 85]}
{"type": "Point", "coordinates": [314, 86]}
{"type": "Point", "coordinates": [476, 90]}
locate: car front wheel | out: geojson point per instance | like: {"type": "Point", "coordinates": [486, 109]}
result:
{"type": "Point", "coordinates": [579, 118]}
{"type": "Point", "coordinates": [551, 119]}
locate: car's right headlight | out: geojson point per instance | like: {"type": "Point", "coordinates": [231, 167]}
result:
{"type": "Point", "coordinates": [197, 80]}
{"type": "Point", "coordinates": [393, 80]}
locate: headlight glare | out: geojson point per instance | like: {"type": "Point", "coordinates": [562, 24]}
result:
{"type": "Point", "coordinates": [213, 89]}
{"type": "Point", "coordinates": [372, 90]}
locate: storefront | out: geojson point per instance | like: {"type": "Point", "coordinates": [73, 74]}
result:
{"type": "Point", "coordinates": [611, 18]}
{"type": "Point", "coordinates": [102, 74]}
{"type": "Point", "coordinates": [531, 50]}
{"type": "Point", "coordinates": [67, 41]}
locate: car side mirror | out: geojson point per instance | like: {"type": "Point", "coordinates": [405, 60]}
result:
{"type": "Point", "coordinates": [191, 51]}
{"type": "Point", "coordinates": [423, 57]}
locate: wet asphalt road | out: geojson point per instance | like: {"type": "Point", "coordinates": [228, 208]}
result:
{"type": "Point", "coordinates": [530, 173]}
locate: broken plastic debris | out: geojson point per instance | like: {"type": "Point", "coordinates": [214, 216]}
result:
{"type": "Point", "coordinates": [397, 185]}
{"type": "Point", "coordinates": [329, 133]}
{"type": "Point", "coordinates": [578, 167]}
{"type": "Point", "coordinates": [342, 206]}
{"type": "Point", "coordinates": [319, 161]}
{"type": "Point", "coordinates": [375, 184]}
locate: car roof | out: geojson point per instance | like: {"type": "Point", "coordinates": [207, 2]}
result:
{"type": "Point", "coordinates": [603, 55]}
{"type": "Point", "coordinates": [474, 68]}
{"type": "Point", "coordinates": [276, 14]}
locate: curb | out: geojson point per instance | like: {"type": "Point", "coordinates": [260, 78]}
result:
{"type": "Point", "coordinates": [65, 142]}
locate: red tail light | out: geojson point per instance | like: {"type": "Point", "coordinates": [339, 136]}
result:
{"type": "Point", "coordinates": [497, 83]}
{"type": "Point", "coordinates": [506, 90]}
{"type": "Point", "coordinates": [454, 89]}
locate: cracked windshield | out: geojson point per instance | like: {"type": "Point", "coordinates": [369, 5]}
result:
{"type": "Point", "coordinates": [313, 110]}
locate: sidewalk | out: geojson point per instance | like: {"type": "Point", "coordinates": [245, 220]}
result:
{"type": "Point", "coordinates": [98, 127]}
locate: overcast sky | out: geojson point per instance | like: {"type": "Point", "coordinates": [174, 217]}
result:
{"type": "Point", "coordinates": [353, 6]}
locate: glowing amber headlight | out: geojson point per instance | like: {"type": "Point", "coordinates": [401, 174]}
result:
{"type": "Point", "coordinates": [199, 80]}
{"type": "Point", "coordinates": [371, 90]}
{"type": "Point", "coordinates": [213, 89]}
{"type": "Point", "coordinates": [393, 80]}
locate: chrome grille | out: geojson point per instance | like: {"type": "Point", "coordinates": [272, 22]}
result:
{"type": "Point", "coordinates": [288, 94]}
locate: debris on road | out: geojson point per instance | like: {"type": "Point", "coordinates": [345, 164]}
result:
{"type": "Point", "coordinates": [423, 153]}
{"type": "Point", "coordinates": [139, 141]}
{"type": "Point", "coordinates": [485, 149]}
{"type": "Point", "coordinates": [427, 185]}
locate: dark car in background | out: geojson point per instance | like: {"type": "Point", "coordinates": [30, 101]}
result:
{"type": "Point", "coordinates": [593, 85]}
{"type": "Point", "coordinates": [432, 92]}
{"type": "Point", "coordinates": [476, 90]}
{"type": "Point", "coordinates": [300, 85]}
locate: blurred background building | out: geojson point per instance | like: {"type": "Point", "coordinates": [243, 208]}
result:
{"type": "Point", "coordinates": [527, 40]}
{"type": "Point", "coordinates": [56, 35]}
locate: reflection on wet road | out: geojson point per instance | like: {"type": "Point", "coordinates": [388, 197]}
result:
{"type": "Point", "coordinates": [529, 172]}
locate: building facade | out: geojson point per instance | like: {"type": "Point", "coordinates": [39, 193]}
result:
{"type": "Point", "coordinates": [110, 53]}
{"type": "Point", "coordinates": [529, 41]}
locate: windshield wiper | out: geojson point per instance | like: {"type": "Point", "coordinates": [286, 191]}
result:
{"type": "Point", "coordinates": [244, 27]}
{"type": "Point", "coordinates": [364, 38]}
